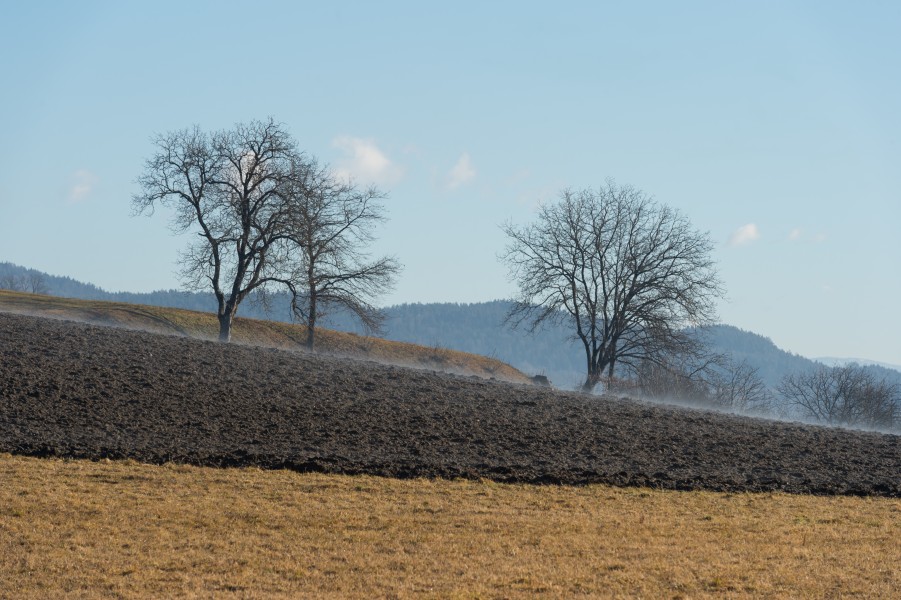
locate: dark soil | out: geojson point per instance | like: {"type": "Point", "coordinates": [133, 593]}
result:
{"type": "Point", "coordinates": [76, 390]}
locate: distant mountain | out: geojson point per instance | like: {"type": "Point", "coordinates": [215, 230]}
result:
{"type": "Point", "coordinates": [772, 363]}
{"type": "Point", "coordinates": [551, 351]}
{"type": "Point", "coordinates": [831, 361]}
{"type": "Point", "coordinates": [480, 327]}
{"type": "Point", "coordinates": [477, 328]}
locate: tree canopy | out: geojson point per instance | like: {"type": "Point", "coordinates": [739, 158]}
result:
{"type": "Point", "coordinates": [626, 273]}
{"type": "Point", "coordinates": [265, 216]}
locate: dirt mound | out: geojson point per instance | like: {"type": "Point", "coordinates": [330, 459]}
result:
{"type": "Point", "coordinates": [76, 390]}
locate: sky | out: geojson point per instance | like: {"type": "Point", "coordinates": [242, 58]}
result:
{"type": "Point", "coordinates": [773, 126]}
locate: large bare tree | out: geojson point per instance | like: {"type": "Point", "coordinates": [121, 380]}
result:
{"type": "Point", "coordinates": [331, 225]}
{"type": "Point", "coordinates": [227, 187]}
{"type": "Point", "coordinates": [844, 395]}
{"type": "Point", "coordinates": [627, 273]}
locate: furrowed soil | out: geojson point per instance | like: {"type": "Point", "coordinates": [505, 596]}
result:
{"type": "Point", "coordinates": [81, 391]}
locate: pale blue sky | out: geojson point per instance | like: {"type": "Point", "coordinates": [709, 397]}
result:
{"type": "Point", "coordinates": [772, 124]}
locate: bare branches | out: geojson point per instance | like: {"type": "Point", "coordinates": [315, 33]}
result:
{"type": "Point", "coordinates": [31, 281]}
{"type": "Point", "coordinates": [847, 395]}
{"type": "Point", "coordinates": [264, 214]}
{"type": "Point", "coordinates": [709, 380]}
{"type": "Point", "coordinates": [331, 223]}
{"type": "Point", "coordinates": [627, 273]}
{"type": "Point", "coordinates": [738, 386]}
{"type": "Point", "coordinates": [227, 187]}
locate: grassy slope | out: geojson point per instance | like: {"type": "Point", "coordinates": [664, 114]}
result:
{"type": "Point", "coordinates": [270, 334]}
{"type": "Point", "coordinates": [123, 529]}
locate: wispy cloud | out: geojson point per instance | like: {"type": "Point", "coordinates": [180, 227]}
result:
{"type": "Point", "coordinates": [797, 234]}
{"type": "Point", "coordinates": [462, 172]}
{"type": "Point", "coordinates": [744, 235]}
{"type": "Point", "coordinates": [365, 161]}
{"type": "Point", "coordinates": [83, 182]}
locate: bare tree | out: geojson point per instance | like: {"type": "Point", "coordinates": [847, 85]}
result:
{"type": "Point", "coordinates": [738, 386]}
{"type": "Point", "coordinates": [715, 380]}
{"type": "Point", "coordinates": [331, 223]}
{"type": "Point", "coordinates": [35, 283]}
{"type": "Point", "coordinates": [32, 282]}
{"type": "Point", "coordinates": [671, 380]}
{"type": "Point", "coordinates": [10, 282]}
{"type": "Point", "coordinates": [844, 395]}
{"type": "Point", "coordinates": [228, 188]}
{"type": "Point", "coordinates": [627, 273]}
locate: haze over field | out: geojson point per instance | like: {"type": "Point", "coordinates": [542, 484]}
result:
{"type": "Point", "coordinates": [438, 330]}
{"type": "Point", "coordinates": [772, 127]}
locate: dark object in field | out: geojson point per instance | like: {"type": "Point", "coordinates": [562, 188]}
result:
{"type": "Point", "coordinates": [541, 380]}
{"type": "Point", "coordinates": [68, 389]}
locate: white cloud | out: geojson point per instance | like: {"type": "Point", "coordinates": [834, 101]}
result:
{"type": "Point", "coordinates": [462, 172]}
{"type": "Point", "coordinates": [744, 235]}
{"type": "Point", "coordinates": [83, 182]}
{"type": "Point", "coordinates": [365, 161]}
{"type": "Point", "coordinates": [797, 234]}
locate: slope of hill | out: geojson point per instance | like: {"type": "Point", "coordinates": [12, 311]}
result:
{"type": "Point", "coordinates": [480, 328]}
{"type": "Point", "coordinates": [75, 390]}
{"type": "Point", "coordinates": [255, 332]}
{"type": "Point", "coordinates": [475, 328]}
{"type": "Point", "coordinates": [17, 278]}
{"type": "Point", "coordinates": [772, 362]}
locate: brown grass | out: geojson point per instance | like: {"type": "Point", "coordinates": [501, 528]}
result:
{"type": "Point", "coordinates": [269, 334]}
{"type": "Point", "coordinates": [121, 529]}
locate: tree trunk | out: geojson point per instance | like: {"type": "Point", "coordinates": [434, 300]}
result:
{"type": "Point", "coordinates": [225, 327]}
{"type": "Point", "coordinates": [311, 329]}
{"type": "Point", "coordinates": [594, 375]}
{"type": "Point", "coordinates": [311, 321]}
{"type": "Point", "coordinates": [225, 321]}
{"type": "Point", "coordinates": [610, 367]}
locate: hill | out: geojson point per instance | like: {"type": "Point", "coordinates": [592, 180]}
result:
{"type": "Point", "coordinates": [75, 390]}
{"type": "Point", "coordinates": [476, 328]}
{"type": "Point", "coordinates": [126, 528]}
{"type": "Point", "coordinates": [480, 328]}
{"type": "Point", "coordinates": [269, 334]}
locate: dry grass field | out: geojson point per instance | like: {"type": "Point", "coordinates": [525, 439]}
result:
{"type": "Point", "coordinates": [81, 529]}
{"type": "Point", "coordinates": [266, 334]}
